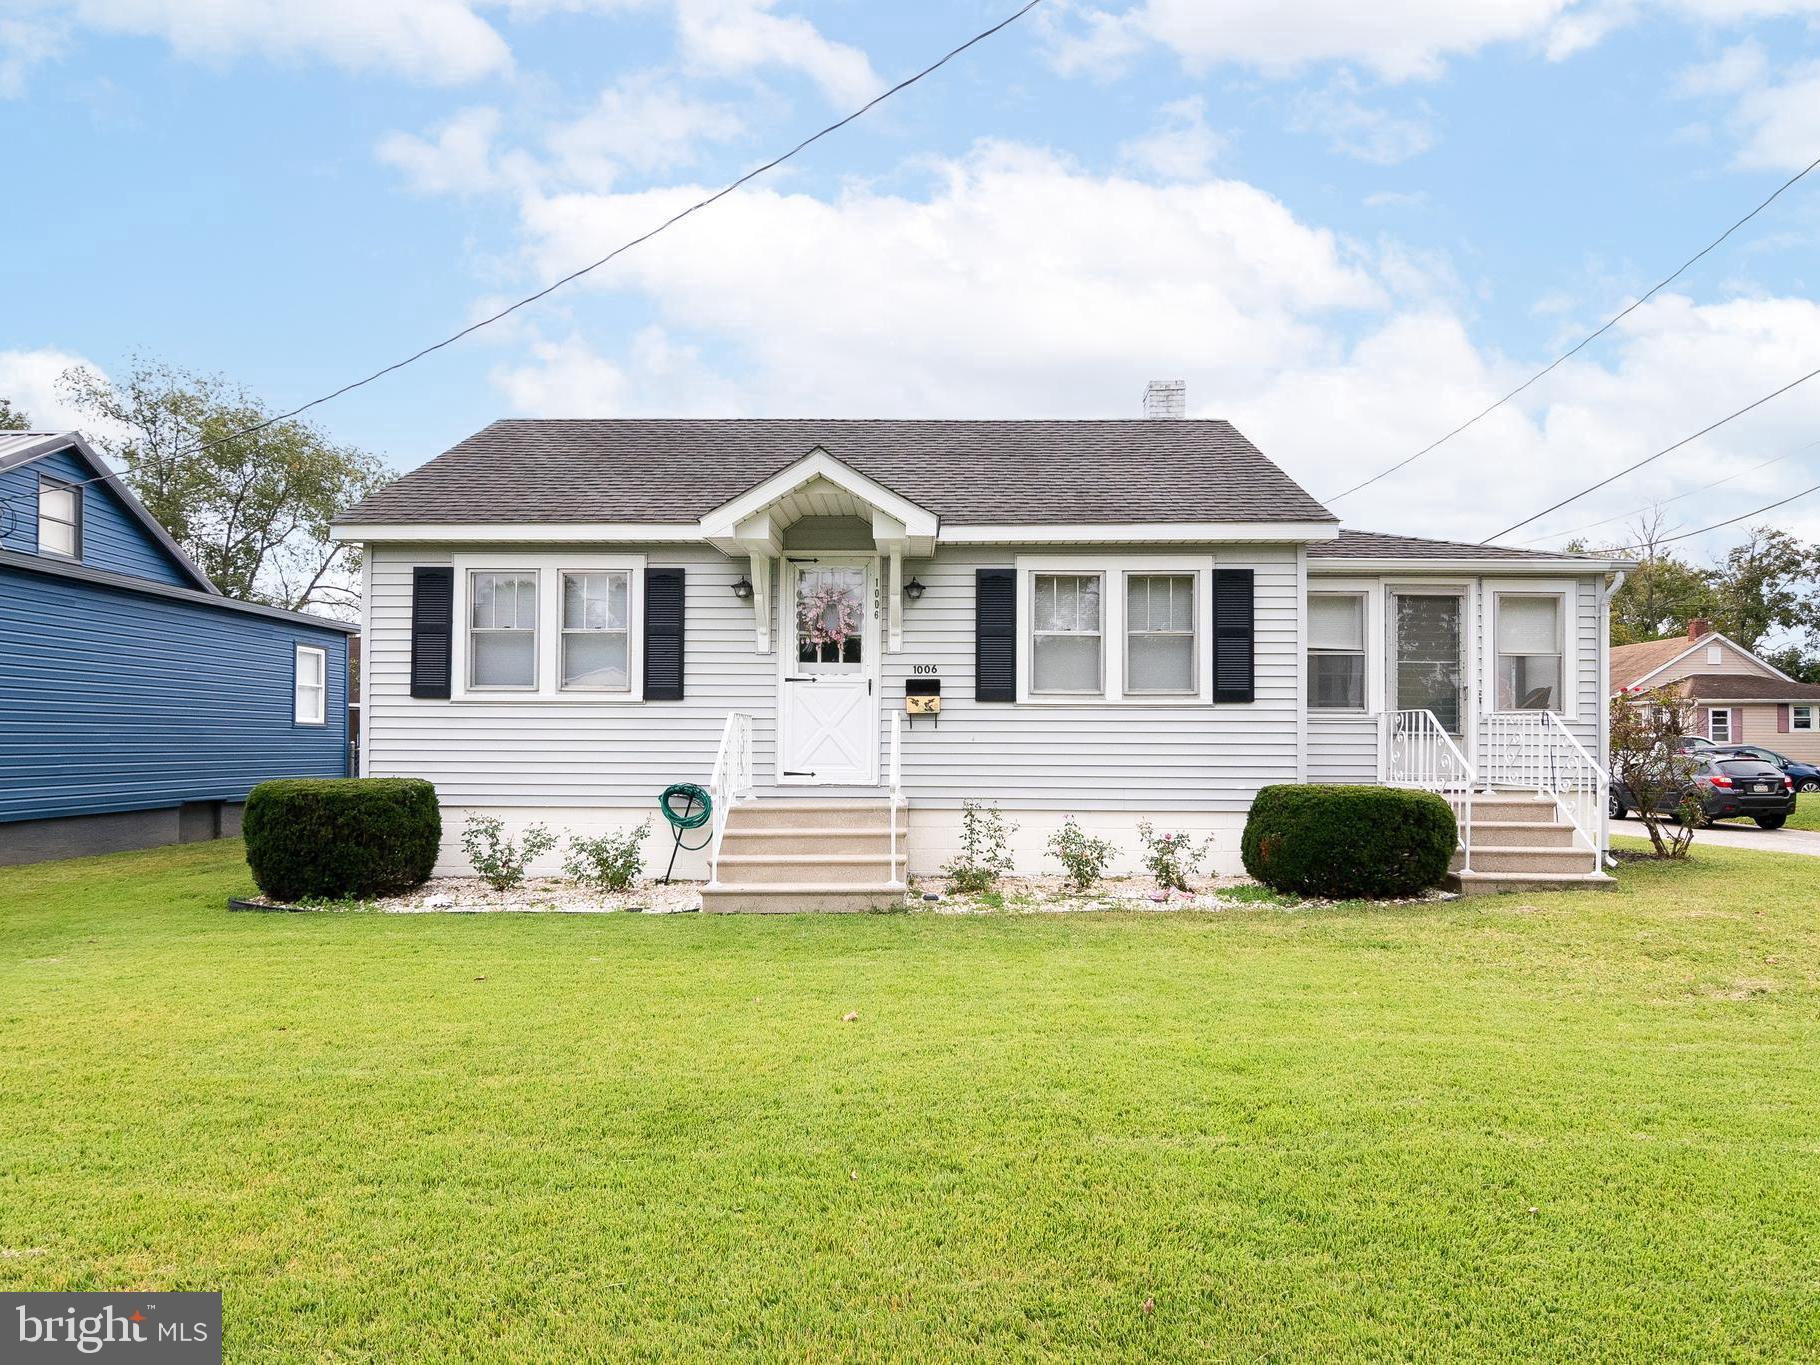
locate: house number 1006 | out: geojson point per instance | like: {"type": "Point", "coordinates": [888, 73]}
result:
{"type": "Point", "coordinates": [922, 668]}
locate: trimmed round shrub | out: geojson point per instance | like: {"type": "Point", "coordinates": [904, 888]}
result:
{"type": "Point", "coordinates": [331, 838]}
{"type": "Point", "coordinates": [1342, 843]}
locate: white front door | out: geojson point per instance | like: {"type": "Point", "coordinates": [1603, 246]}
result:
{"type": "Point", "coordinates": [828, 704]}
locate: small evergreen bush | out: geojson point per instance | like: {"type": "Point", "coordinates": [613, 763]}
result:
{"type": "Point", "coordinates": [1342, 843]}
{"type": "Point", "coordinates": [336, 838]}
{"type": "Point", "coordinates": [498, 859]}
{"type": "Point", "coordinates": [609, 862]}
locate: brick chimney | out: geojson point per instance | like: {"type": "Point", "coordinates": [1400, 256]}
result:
{"type": "Point", "coordinates": [1699, 626]}
{"type": "Point", "coordinates": [1166, 399]}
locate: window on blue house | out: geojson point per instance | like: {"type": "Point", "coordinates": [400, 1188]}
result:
{"type": "Point", "coordinates": [59, 519]}
{"type": "Point", "coordinates": [311, 682]}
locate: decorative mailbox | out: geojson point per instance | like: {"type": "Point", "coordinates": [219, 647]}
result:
{"type": "Point", "coordinates": [923, 697]}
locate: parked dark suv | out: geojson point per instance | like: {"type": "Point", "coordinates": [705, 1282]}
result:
{"type": "Point", "coordinates": [1724, 788]}
{"type": "Point", "coordinates": [1806, 775]}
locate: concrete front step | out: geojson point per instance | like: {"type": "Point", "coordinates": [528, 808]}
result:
{"type": "Point", "coordinates": [844, 869]}
{"type": "Point", "coordinates": [817, 815]}
{"type": "Point", "coordinates": [1531, 883]}
{"type": "Point", "coordinates": [1520, 834]}
{"type": "Point", "coordinates": [1532, 859]}
{"type": "Point", "coordinates": [792, 839]}
{"type": "Point", "coordinates": [790, 898]}
{"type": "Point", "coordinates": [1509, 809]}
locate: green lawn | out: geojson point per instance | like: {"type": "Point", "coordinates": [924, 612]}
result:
{"type": "Point", "coordinates": [1553, 1127]}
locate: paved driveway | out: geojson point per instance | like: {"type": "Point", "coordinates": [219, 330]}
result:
{"type": "Point", "coordinates": [1742, 836]}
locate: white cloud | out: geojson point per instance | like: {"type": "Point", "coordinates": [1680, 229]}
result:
{"type": "Point", "coordinates": [24, 44]}
{"type": "Point", "coordinates": [731, 37]}
{"type": "Point", "coordinates": [1180, 147]}
{"type": "Point", "coordinates": [434, 41]}
{"type": "Point", "coordinates": [1355, 129]}
{"type": "Point", "coordinates": [29, 380]}
{"type": "Point", "coordinates": [644, 123]}
{"type": "Point", "coordinates": [457, 160]}
{"type": "Point", "coordinates": [964, 301]}
{"type": "Point", "coordinates": [1776, 119]}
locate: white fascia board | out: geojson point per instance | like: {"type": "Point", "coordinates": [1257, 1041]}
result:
{"type": "Point", "coordinates": [1551, 568]}
{"type": "Point", "coordinates": [518, 532]}
{"type": "Point", "coordinates": [1142, 533]}
{"type": "Point", "coordinates": [818, 464]}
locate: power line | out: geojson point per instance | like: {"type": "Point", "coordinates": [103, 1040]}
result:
{"type": "Point", "coordinates": [1666, 502]}
{"type": "Point", "coordinates": [620, 250]}
{"type": "Point", "coordinates": [1584, 341]}
{"type": "Point", "coordinates": [1650, 459]}
{"type": "Point", "coordinates": [1732, 521]}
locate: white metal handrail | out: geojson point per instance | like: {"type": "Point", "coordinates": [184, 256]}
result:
{"type": "Point", "coordinates": [731, 781]}
{"type": "Point", "coordinates": [1535, 751]}
{"type": "Point", "coordinates": [895, 774]}
{"type": "Point", "coordinates": [1419, 753]}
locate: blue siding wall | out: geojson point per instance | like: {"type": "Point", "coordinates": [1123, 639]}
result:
{"type": "Point", "coordinates": [118, 700]}
{"type": "Point", "coordinates": [112, 537]}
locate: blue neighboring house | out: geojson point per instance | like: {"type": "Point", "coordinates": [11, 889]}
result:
{"type": "Point", "coordinates": [138, 706]}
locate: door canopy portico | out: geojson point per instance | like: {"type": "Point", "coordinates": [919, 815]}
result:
{"type": "Point", "coordinates": [752, 527]}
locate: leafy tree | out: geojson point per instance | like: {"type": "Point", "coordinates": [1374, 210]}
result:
{"type": "Point", "coordinates": [1645, 735]}
{"type": "Point", "coordinates": [1767, 585]}
{"type": "Point", "coordinates": [11, 418]}
{"type": "Point", "coordinates": [1800, 664]}
{"type": "Point", "coordinates": [1662, 594]}
{"type": "Point", "coordinates": [251, 509]}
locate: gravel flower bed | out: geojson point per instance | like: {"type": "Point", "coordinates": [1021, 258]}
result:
{"type": "Point", "coordinates": [538, 895]}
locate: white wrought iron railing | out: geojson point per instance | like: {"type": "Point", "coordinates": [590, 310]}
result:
{"type": "Point", "coordinates": [1535, 751]}
{"type": "Point", "coordinates": [895, 795]}
{"type": "Point", "coordinates": [1419, 753]}
{"type": "Point", "coordinates": [732, 781]}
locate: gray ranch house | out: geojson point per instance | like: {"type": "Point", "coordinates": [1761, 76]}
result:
{"type": "Point", "coordinates": [846, 629]}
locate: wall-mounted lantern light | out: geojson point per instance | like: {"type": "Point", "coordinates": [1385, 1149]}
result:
{"type": "Point", "coordinates": [743, 589]}
{"type": "Point", "coordinates": [913, 590]}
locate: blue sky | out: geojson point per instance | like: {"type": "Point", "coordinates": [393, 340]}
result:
{"type": "Point", "coordinates": [1347, 230]}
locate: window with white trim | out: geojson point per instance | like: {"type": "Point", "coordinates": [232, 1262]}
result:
{"type": "Point", "coordinates": [1336, 651]}
{"type": "Point", "coordinates": [1067, 655]}
{"type": "Point", "coordinates": [59, 518]}
{"type": "Point", "coordinates": [1530, 653]}
{"type": "Point", "coordinates": [1800, 717]}
{"type": "Point", "coordinates": [502, 629]}
{"type": "Point", "coordinates": [310, 685]}
{"type": "Point", "coordinates": [1719, 724]}
{"type": "Point", "coordinates": [1160, 649]}
{"type": "Point", "coordinates": [596, 630]}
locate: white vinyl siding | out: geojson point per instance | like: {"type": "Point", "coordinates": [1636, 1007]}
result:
{"type": "Point", "coordinates": [504, 751]}
{"type": "Point", "coordinates": [310, 685]}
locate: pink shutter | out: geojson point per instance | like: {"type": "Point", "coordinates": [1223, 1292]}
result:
{"type": "Point", "coordinates": [1737, 725]}
{"type": "Point", "coordinates": [1782, 718]}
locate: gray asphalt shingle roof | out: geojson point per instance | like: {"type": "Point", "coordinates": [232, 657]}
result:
{"type": "Point", "coordinates": [1377, 545]}
{"type": "Point", "coordinates": [967, 472]}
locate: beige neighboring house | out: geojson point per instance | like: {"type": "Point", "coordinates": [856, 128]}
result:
{"type": "Point", "coordinates": [1739, 699]}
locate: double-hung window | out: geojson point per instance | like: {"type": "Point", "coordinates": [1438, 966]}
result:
{"type": "Point", "coordinates": [59, 518]}
{"type": "Point", "coordinates": [310, 686]}
{"type": "Point", "coordinates": [1159, 634]}
{"type": "Point", "coordinates": [1530, 653]}
{"type": "Point", "coordinates": [1067, 655]}
{"type": "Point", "coordinates": [1801, 718]}
{"type": "Point", "coordinates": [596, 631]}
{"type": "Point", "coordinates": [502, 629]}
{"type": "Point", "coordinates": [1336, 651]}
{"type": "Point", "coordinates": [1719, 724]}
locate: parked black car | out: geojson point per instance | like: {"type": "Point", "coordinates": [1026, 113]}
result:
{"type": "Point", "coordinates": [1723, 788]}
{"type": "Point", "coordinates": [1806, 775]}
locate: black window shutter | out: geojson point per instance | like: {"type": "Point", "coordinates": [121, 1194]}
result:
{"type": "Point", "coordinates": [663, 634]}
{"type": "Point", "coordinates": [432, 632]}
{"type": "Point", "coordinates": [995, 635]}
{"type": "Point", "coordinates": [1233, 617]}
